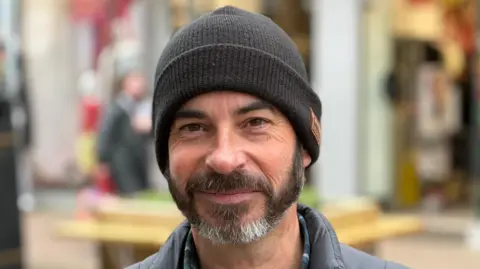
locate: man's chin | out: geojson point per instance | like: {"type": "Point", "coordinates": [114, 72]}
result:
{"type": "Point", "coordinates": [232, 232]}
{"type": "Point", "coordinates": [224, 214]}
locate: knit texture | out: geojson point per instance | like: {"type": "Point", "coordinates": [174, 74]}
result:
{"type": "Point", "coordinates": [235, 50]}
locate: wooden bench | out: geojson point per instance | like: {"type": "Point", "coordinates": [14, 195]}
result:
{"type": "Point", "coordinates": [137, 229]}
{"type": "Point", "coordinates": [111, 232]}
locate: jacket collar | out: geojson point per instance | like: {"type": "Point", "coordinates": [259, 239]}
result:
{"type": "Point", "coordinates": [325, 252]}
{"type": "Point", "coordinates": [325, 248]}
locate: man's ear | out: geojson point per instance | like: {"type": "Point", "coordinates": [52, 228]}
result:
{"type": "Point", "coordinates": [306, 158]}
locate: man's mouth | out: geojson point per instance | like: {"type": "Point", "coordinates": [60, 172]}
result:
{"type": "Point", "coordinates": [228, 197]}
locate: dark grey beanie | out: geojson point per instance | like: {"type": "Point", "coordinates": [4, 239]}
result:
{"type": "Point", "coordinates": [235, 50]}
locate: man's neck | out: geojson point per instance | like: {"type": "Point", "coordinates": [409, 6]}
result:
{"type": "Point", "coordinates": [281, 248]}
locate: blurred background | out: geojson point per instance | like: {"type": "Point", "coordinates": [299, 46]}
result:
{"type": "Point", "coordinates": [399, 81]}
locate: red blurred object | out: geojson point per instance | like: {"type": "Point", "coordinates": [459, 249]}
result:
{"type": "Point", "coordinates": [98, 9]}
{"type": "Point", "coordinates": [101, 13]}
{"type": "Point", "coordinates": [90, 114]}
{"type": "Point", "coordinates": [104, 182]}
{"type": "Point", "coordinates": [113, 9]}
{"type": "Point", "coordinates": [122, 7]}
{"type": "Point", "coordinates": [87, 9]}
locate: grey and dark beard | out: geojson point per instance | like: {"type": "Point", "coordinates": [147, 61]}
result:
{"type": "Point", "coordinates": [229, 229]}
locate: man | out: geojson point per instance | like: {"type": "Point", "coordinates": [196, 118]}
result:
{"type": "Point", "coordinates": [123, 139]}
{"type": "Point", "coordinates": [22, 120]}
{"type": "Point", "coordinates": [236, 125]}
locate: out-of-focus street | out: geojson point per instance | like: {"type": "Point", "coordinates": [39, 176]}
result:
{"type": "Point", "coordinates": [394, 135]}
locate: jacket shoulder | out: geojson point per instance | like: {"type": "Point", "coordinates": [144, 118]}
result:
{"type": "Point", "coordinates": [355, 259]}
{"type": "Point", "coordinates": [145, 264]}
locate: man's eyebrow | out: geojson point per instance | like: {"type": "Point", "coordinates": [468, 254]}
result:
{"type": "Point", "coordinates": [190, 114]}
{"type": "Point", "coordinates": [257, 105]}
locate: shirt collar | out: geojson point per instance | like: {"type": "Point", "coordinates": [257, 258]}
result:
{"type": "Point", "coordinates": [190, 258]}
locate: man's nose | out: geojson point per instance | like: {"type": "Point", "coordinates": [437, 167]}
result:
{"type": "Point", "coordinates": [226, 157]}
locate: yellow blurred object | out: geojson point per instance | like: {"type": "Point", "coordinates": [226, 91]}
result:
{"type": "Point", "coordinates": [384, 227]}
{"type": "Point", "coordinates": [250, 5]}
{"type": "Point", "coordinates": [421, 22]}
{"type": "Point", "coordinates": [452, 3]}
{"type": "Point", "coordinates": [86, 155]}
{"type": "Point", "coordinates": [407, 184]}
{"type": "Point", "coordinates": [454, 60]}
{"type": "Point", "coordinates": [357, 223]}
{"type": "Point", "coordinates": [408, 191]}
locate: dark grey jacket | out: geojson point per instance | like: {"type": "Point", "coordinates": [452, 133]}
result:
{"type": "Point", "coordinates": [327, 252]}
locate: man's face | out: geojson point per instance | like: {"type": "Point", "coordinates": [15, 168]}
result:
{"type": "Point", "coordinates": [134, 85]}
{"type": "Point", "coordinates": [235, 166]}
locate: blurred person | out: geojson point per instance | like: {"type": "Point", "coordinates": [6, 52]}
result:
{"type": "Point", "coordinates": [22, 126]}
{"type": "Point", "coordinates": [437, 121]}
{"type": "Point", "coordinates": [22, 120]}
{"type": "Point", "coordinates": [123, 137]}
{"type": "Point", "coordinates": [236, 126]}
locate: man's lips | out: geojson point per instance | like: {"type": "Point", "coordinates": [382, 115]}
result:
{"type": "Point", "coordinates": [228, 197]}
{"type": "Point", "coordinates": [229, 192]}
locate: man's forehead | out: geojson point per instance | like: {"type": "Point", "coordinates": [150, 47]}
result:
{"type": "Point", "coordinates": [223, 104]}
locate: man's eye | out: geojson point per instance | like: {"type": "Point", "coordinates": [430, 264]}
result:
{"type": "Point", "coordinates": [192, 128]}
{"type": "Point", "coordinates": [257, 122]}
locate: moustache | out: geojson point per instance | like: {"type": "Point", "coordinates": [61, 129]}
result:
{"type": "Point", "coordinates": [213, 182]}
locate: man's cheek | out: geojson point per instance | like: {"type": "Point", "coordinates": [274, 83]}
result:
{"type": "Point", "coordinates": [179, 174]}
{"type": "Point", "coordinates": [180, 189]}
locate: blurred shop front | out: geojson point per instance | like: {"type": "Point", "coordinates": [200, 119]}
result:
{"type": "Point", "coordinates": [432, 68]}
